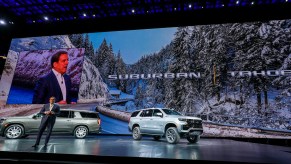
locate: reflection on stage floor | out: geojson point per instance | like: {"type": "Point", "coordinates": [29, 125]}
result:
{"type": "Point", "coordinates": [207, 149]}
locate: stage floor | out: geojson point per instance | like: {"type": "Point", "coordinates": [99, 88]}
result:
{"type": "Point", "coordinates": [207, 149]}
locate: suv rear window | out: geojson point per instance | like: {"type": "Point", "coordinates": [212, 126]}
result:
{"type": "Point", "coordinates": [134, 114]}
{"type": "Point", "coordinates": [89, 115]}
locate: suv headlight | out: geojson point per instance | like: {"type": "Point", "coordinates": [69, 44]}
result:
{"type": "Point", "coordinates": [182, 119]}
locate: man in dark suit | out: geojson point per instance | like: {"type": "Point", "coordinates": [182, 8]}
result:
{"type": "Point", "coordinates": [56, 83]}
{"type": "Point", "coordinates": [49, 112]}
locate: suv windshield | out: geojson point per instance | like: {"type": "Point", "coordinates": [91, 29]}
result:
{"type": "Point", "coordinates": [171, 112]}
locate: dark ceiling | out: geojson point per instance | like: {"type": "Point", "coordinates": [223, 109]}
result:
{"type": "Point", "coordinates": [25, 18]}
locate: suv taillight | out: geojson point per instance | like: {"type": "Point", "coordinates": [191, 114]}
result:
{"type": "Point", "coordinates": [99, 121]}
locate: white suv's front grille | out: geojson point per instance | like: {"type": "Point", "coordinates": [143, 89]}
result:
{"type": "Point", "coordinates": [194, 123]}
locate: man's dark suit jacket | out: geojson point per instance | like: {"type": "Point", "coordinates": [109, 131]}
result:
{"type": "Point", "coordinates": [46, 107]}
{"type": "Point", "coordinates": [48, 86]}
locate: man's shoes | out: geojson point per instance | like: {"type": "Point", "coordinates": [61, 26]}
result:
{"type": "Point", "coordinates": [34, 145]}
{"type": "Point", "coordinates": [45, 145]}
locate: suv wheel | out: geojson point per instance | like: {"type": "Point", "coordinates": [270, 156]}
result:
{"type": "Point", "coordinates": [14, 131]}
{"type": "Point", "coordinates": [157, 138]}
{"type": "Point", "coordinates": [193, 139]}
{"type": "Point", "coordinates": [136, 133]}
{"type": "Point", "coordinates": [172, 135]}
{"type": "Point", "coordinates": [81, 132]}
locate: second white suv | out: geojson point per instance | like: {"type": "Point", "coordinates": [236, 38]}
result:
{"type": "Point", "coordinates": [159, 122]}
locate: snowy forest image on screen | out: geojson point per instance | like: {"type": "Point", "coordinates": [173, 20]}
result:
{"type": "Point", "coordinates": [236, 76]}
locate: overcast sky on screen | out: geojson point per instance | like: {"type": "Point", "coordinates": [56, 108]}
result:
{"type": "Point", "coordinates": [135, 43]}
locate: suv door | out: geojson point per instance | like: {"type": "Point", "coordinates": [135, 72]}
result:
{"type": "Point", "coordinates": [145, 121]}
{"type": "Point", "coordinates": [64, 122]}
{"type": "Point", "coordinates": [157, 122]}
{"type": "Point", "coordinates": [32, 123]}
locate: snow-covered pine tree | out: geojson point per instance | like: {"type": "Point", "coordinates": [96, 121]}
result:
{"type": "Point", "coordinates": [120, 69]}
{"type": "Point", "coordinates": [248, 57]}
{"type": "Point", "coordinates": [77, 40]}
{"type": "Point", "coordinates": [182, 89]}
{"type": "Point", "coordinates": [105, 60]}
{"type": "Point", "coordinates": [89, 49]}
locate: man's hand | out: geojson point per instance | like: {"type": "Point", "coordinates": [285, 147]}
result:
{"type": "Point", "coordinates": [49, 112]}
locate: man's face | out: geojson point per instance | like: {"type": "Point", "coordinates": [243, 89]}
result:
{"type": "Point", "coordinates": [52, 100]}
{"type": "Point", "coordinates": [62, 65]}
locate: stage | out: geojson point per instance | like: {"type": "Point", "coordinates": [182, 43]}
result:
{"type": "Point", "coordinates": [122, 148]}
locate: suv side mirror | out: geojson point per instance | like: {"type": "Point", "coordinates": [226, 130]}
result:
{"type": "Point", "coordinates": [36, 116]}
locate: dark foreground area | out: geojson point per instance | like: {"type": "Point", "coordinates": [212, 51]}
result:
{"type": "Point", "coordinates": [122, 148]}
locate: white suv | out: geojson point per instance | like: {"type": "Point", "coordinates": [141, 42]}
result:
{"type": "Point", "coordinates": [159, 122]}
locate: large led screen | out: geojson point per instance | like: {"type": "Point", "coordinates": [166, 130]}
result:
{"type": "Point", "coordinates": [236, 77]}
{"type": "Point", "coordinates": [34, 68]}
